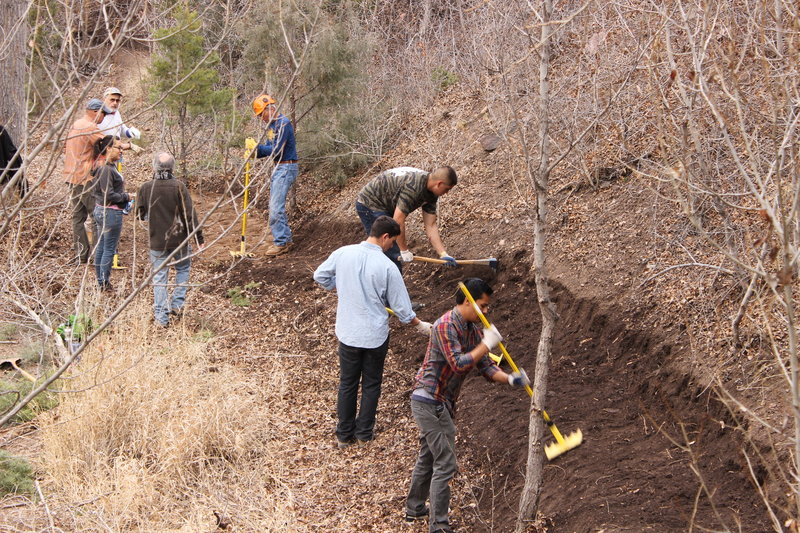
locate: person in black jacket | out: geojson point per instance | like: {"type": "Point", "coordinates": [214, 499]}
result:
{"type": "Point", "coordinates": [10, 163]}
{"type": "Point", "coordinates": [110, 200]}
{"type": "Point", "coordinates": [167, 206]}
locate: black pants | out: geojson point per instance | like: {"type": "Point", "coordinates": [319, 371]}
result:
{"type": "Point", "coordinates": [364, 366]}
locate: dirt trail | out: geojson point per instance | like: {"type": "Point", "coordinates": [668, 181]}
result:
{"type": "Point", "coordinates": [621, 387]}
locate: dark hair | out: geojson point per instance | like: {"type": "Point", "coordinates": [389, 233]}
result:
{"type": "Point", "coordinates": [101, 146]}
{"type": "Point", "coordinates": [445, 174]}
{"type": "Point", "coordinates": [385, 224]}
{"type": "Point", "coordinates": [476, 287]}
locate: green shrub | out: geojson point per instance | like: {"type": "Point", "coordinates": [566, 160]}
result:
{"type": "Point", "coordinates": [12, 391]}
{"type": "Point", "coordinates": [443, 78]}
{"type": "Point", "coordinates": [16, 475]}
{"type": "Point", "coordinates": [8, 332]}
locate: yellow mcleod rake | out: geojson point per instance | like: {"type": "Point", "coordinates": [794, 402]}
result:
{"type": "Point", "coordinates": [562, 445]}
{"type": "Point", "coordinates": [241, 252]}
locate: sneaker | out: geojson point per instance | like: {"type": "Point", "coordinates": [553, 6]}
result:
{"type": "Point", "coordinates": [342, 444]}
{"type": "Point", "coordinates": [413, 517]}
{"type": "Point", "coordinates": [274, 249]}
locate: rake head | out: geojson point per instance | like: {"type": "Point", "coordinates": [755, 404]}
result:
{"type": "Point", "coordinates": [554, 449]}
{"type": "Point", "coordinates": [246, 255]}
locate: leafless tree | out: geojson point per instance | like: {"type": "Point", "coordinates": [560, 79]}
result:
{"type": "Point", "coordinates": [727, 117]}
{"type": "Point", "coordinates": [38, 289]}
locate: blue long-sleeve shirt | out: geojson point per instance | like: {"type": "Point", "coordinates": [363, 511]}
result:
{"type": "Point", "coordinates": [366, 282]}
{"type": "Point", "coordinates": [280, 145]}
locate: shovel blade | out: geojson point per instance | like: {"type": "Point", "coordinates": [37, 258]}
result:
{"type": "Point", "coordinates": [554, 449]}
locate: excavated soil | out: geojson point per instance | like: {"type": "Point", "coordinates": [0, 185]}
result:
{"type": "Point", "coordinates": [659, 454]}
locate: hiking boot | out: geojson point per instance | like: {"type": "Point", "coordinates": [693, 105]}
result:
{"type": "Point", "coordinates": [413, 517]}
{"type": "Point", "coordinates": [175, 314]}
{"type": "Point", "coordinates": [342, 444]}
{"type": "Point", "coordinates": [275, 249]}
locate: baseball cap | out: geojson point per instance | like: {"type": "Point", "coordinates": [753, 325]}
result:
{"type": "Point", "coordinates": [95, 104]}
{"type": "Point", "coordinates": [111, 90]}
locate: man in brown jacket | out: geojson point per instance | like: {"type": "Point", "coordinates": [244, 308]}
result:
{"type": "Point", "coordinates": [167, 206]}
{"type": "Point", "coordinates": [78, 159]}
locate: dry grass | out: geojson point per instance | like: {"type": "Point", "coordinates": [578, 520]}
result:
{"type": "Point", "coordinates": [154, 438]}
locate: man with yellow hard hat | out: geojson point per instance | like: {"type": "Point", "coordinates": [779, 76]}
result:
{"type": "Point", "coordinates": [281, 147]}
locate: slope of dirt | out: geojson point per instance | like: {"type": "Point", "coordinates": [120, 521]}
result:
{"type": "Point", "coordinates": [645, 423]}
{"type": "Point", "coordinates": [628, 362]}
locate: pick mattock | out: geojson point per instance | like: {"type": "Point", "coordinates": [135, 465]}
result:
{"type": "Point", "coordinates": [491, 262]}
{"type": "Point", "coordinates": [241, 252]}
{"type": "Point", "coordinates": [562, 445]}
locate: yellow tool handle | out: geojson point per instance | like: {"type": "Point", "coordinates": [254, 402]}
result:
{"type": "Point", "coordinates": [556, 433]}
{"type": "Point", "coordinates": [246, 196]}
{"type": "Point", "coordinates": [486, 324]}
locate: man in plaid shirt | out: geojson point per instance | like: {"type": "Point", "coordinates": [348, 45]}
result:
{"type": "Point", "coordinates": [456, 346]}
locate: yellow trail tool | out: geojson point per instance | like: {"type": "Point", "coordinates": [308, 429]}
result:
{"type": "Point", "coordinates": [562, 445]}
{"type": "Point", "coordinates": [241, 252]}
{"type": "Point", "coordinates": [494, 357]}
{"type": "Point", "coordinates": [115, 264]}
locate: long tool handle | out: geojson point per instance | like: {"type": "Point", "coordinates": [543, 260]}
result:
{"type": "Point", "coordinates": [459, 261]}
{"type": "Point", "coordinates": [246, 196]}
{"type": "Point", "coordinates": [485, 322]}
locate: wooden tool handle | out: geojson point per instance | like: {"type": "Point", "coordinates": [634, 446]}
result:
{"type": "Point", "coordinates": [429, 259]}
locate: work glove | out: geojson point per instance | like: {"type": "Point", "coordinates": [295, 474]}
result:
{"type": "Point", "coordinates": [406, 256]}
{"type": "Point", "coordinates": [519, 379]}
{"type": "Point", "coordinates": [250, 144]}
{"type": "Point", "coordinates": [424, 328]}
{"type": "Point", "coordinates": [135, 133]}
{"type": "Point", "coordinates": [491, 337]}
{"type": "Point", "coordinates": [451, 262]}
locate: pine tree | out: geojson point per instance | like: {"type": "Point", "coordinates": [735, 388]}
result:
{"type": "Point", "coordinates": [184, 76]}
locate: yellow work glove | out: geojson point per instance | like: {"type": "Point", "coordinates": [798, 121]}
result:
{"type": "Point", "coordinates": [250, 145]}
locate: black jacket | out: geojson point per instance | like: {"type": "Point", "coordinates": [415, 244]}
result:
{"type": "Point", "coordinates": [109, 187]}
{"type": "Point", "coordinates": [167, 206]}
{"type": "Point", "coordinates": [9, 154]}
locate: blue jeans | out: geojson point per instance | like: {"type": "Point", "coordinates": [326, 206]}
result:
{"type": "Point", "coordinates": [368, 217]}
{"type": "Point", "coordinates": [161, 304]}
{"type": "Point", "coordinates": [283, 177]}
{"type": "Point", "coordinates": [364, 366]}
{"type": "Point", "coordinates": [109, 226]}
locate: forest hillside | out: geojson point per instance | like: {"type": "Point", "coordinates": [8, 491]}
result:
{"type": "Point", "coordinates": [631, 166]}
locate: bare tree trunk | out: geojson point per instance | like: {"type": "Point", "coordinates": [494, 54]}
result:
{"type": "Point", "coordinates": [535, 467]}
{"type": "Point", "coordinates": [14, 31]}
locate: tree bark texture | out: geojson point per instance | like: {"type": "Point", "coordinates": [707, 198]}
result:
{"type": "Point", "coordinates": [13, 50]}
{"type": "Point", "coordinates": [535, 466]}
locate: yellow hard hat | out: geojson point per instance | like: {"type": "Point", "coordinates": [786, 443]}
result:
{"type": "Point", "coordinates": [261, 102]}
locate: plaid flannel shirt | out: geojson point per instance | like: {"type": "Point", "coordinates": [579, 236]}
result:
{"type": "Point", "coordinates": [447, 361]}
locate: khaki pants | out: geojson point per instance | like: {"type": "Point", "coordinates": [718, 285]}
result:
{"type": "Point", "coordinates": [82, 201]}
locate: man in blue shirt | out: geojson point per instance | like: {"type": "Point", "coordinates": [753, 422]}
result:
{"type": "Point", "coordinates": [367, 282]}
{"type": "Point", "coordinates": [281, 147]}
